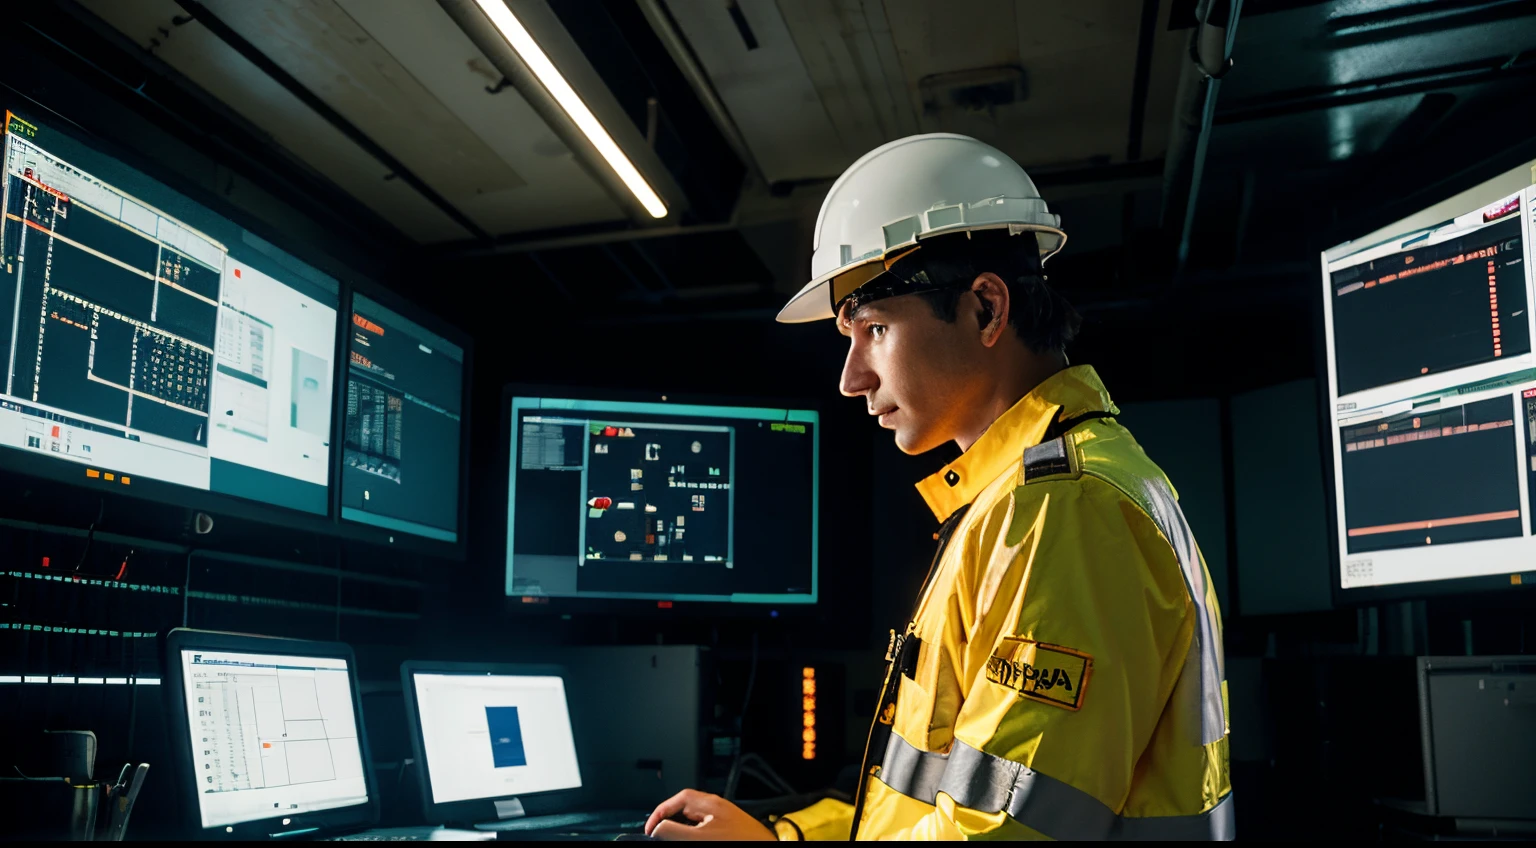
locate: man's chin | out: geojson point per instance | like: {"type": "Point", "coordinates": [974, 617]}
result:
{"type": "Point", "coordinates": [913, 444]}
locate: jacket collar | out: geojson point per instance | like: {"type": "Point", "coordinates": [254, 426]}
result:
{"type": "Point", "coordinates": [1066, 394]}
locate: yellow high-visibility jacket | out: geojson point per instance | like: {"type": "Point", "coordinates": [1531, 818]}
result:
{"type": "Point", "coordinates": [1062, 674]}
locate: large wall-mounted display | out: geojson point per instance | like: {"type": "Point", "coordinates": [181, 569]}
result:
{"type": "Point", "coordinates": [150, 341]}
{"type": "Point", "coordinates": [403, 425]}
{"type": "Point", "coordinates": [661, 501]}
{"type": "Point", "coordinates": [1432, 392]}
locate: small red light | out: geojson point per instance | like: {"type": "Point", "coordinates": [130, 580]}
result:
{"type": "Point", "coordinates": [45, 562]}
{"type": "Point", "coordinates": [663, 604]}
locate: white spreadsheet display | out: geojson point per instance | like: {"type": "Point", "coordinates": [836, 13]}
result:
{"type": "Point", "coordinates": [271, 735]}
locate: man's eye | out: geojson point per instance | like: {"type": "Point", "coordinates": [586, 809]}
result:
{"type": "Point", "coordinates": [876, 330]}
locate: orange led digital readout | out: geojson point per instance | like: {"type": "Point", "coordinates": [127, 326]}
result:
{"type": "Point", "coordinates": [808, 713]}
{"type": "Point", "coordinates": [367, 325]}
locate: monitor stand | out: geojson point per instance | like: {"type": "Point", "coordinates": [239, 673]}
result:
{"type": "Point", "coordinates": [510, 808]}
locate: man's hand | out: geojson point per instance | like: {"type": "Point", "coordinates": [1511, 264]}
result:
{"type": "Point", "coordinates": [713, 817]}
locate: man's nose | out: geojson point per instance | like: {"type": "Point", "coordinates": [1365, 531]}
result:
{"type": "Point", "coordinates": [858, 378]}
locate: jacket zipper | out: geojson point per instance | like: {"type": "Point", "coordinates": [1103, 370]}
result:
{"type": "Point", "coordinates": [893, 656]}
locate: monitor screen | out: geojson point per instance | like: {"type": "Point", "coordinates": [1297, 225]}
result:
{"type": "Point", "coordinates": [400, 451]}
{"type": "Point", "coordinates": [1432, 391]}
{"type": "Point", "coordinates": [148, 340]}
{"type": "Point", "coordinates": [663, 501]}
{"type": "Point", "coordinates": [494, 735]}
{"type": "Point", "coordinates": [271, 735]}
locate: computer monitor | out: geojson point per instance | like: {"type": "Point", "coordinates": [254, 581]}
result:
{"type": "Point", "coordinates": [661, 500]}
{"type": "Point", "coordinates": [487, 734]}
{"type": "Point", "coordinates": [1431, 400]}
{"type": "Point", "coordinates": [268, 735]}
{"type": "Point", "coordinates": [150, 345]}
{"type": "Point", "coordinates": [403, 427]}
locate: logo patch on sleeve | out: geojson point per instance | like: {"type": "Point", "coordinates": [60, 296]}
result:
{"type": "Point", "coordinates": [1051, 674]}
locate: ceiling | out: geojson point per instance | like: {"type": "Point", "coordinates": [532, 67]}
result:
{"type": "Point", "coordinates": [405, 75]}
{"type": "Point", "coordinates": [813, 84]}
{"type": "Point", "coordinates": [745, 110]}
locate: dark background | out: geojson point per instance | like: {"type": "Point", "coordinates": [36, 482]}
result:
{"type": "Point", "coordinates": [1215, 363]}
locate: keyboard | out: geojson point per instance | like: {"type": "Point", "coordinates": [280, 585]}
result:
{"type": "Point", "coordinates": [614, 821]}
{"type": "Point", "coordinates": [416, 834]}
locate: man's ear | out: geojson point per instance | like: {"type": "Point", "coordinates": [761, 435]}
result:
{"type": "Point", "coordinates": [992, 292]}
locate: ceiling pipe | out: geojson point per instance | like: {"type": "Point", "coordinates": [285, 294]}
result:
{"type": "Point", "coordinates": [1210, 57]}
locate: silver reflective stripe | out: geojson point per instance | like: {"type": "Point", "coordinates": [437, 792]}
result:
{"type": "Point", "coordinates": [913, 773]}
{"type": "Point", "coordinates": [1165, 513]}
{"type": "Point", "coordinates": [990, 784]}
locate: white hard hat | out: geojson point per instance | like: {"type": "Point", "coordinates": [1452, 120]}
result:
{"type": "Point", "coordinates": [908, 190]}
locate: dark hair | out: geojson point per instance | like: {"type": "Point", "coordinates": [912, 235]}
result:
{"type": "Point", "coordinates": [1044, 320]}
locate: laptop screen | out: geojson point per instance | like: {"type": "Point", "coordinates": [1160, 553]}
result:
{"type": "Point", "coordinates": [272, 735]}
{"type": "Point", "coordinates": [494, 735]}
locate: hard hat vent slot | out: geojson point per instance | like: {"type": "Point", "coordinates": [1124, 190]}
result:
{"type": "Point", "coordinates": [901, 232]}
{"type": "Point", "coordinates": [946, 216]}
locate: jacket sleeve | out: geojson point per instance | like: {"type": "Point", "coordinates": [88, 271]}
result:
{"type": "Point", "coordinates": [826, 820]}
{"type": "Point", "coordinates": [1080, 627]}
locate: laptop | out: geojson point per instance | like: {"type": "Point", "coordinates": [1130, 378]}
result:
{"type": "Point", "coordinates": [495, 750]}
{"type": "Point", "coordinates": [268, 740]}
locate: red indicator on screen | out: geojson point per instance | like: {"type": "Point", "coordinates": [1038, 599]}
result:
{"type": "Point", "coordinates": [1494, 213]}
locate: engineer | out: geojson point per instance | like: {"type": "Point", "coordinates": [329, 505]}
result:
{"type": "Point", "coordinates": [1061, 675]}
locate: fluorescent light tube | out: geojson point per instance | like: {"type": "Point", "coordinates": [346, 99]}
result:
{"type": "Point", "coordinates": [533, 56]}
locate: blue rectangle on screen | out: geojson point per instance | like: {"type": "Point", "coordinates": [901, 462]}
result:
{"type": "Point", "coordinates": [506, 737]}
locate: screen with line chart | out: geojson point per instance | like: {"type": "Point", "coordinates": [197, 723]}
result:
{"type": "Point", "coordinates": [148, 339]}
{"type": "Point", "coordinates": [271, 735]}
{"type": "Point", "coordinates": [1432, 392]}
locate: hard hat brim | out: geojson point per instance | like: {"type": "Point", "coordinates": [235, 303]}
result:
{"type": "Point", "coordinates": [813, 303]}
{"type": "Point", "coordinates": [816, 301]}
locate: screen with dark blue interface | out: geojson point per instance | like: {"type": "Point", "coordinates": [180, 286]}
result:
{"type": "Point", "coordinates": [400, 446]}
{"type": "Point", "coordinates": [612, 499]}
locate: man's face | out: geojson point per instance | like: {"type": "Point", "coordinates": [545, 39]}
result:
{"type": "Point", "coordinates": [915, 371]}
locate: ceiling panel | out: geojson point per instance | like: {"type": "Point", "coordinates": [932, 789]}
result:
{"type": "Point", "coordinates": [202, 57]}
{"type": "Point", "coordinates": [334, 56]}
{"type": "Point", "coordinates": [1078, 62]}
{"type": "Point", "coordinates": [854, 65]}
{"type": "Point", "coordinates": [853, 74]}
{"type": "Point", "coordinates": [767, 89]}
{"type": "Point", "coordinates": [553, 189]}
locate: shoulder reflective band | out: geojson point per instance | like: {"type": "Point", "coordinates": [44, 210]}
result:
{"type": "Point", "coordinates": [1204, 662]}
{"type": "Point", "coordinates": [991, 784]}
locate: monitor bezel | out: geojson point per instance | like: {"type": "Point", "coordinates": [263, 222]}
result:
{"type": "Point", "coordinates": [321, 821]}
{"type": "Point", "coordinates": [21, 461]}
{"type": "Point", "coordinates": [382, 536]}
{"type": "Point", "coordinates": [482, 810]}
{"type": "Point", "coordinates": [1365, 595]}
{"type": "Point", "coordinates": [655, 607]}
